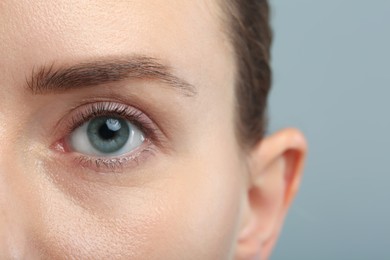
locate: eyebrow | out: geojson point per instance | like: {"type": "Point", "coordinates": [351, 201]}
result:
{"type": "Point", "coordinates": [53, 79]}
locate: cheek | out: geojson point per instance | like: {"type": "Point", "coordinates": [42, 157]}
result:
{"type": "Point", "coordinates": [191, 209]}
{"type": "Point", "coordinates": [210, 210]}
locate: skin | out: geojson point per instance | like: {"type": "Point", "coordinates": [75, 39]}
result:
{"type": "Point", "coordinates": [196, 195]}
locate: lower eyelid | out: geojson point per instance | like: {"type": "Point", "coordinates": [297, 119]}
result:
{"type": "Point", "coordinates": [119, 164]}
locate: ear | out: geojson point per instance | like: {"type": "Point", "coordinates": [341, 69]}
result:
{"type": "Point", "coordinates": [275, 167]}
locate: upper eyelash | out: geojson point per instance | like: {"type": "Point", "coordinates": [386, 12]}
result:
{"type": "Point", "coordinates": [131, 114]}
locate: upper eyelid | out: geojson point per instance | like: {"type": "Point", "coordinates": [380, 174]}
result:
{"type": "Point", "coordinates": [63, 120]}
{"type": "Point", "coordinates": [99, 109]}
{"type": "Point", "coordinates": [79, 115]}
{"type": "Point", "coordinates": [106, 108]}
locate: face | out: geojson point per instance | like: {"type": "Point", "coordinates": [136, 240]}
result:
{"type": "Point", "coordinates": [117, 135]}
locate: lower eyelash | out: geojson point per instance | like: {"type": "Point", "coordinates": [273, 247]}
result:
{"type": "Point", "coordinates": [115, 164]}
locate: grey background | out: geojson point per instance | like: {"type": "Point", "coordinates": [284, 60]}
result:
{"type": "Point", "coordinates": [331, 61]}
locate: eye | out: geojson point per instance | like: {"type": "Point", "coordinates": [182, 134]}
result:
{"type": "Point", "coordinates": [106, 136]}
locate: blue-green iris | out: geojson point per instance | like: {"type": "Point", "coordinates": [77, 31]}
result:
{"type": "Point", "coordinates": [108, 134]}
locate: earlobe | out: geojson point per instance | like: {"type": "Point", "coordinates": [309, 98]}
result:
{"type": "Point", "coordinates": [275, 166]}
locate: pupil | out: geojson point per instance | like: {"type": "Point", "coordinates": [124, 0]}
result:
{"type": "Point", "coordinates": [109, 129]}
{"type": "Point", "coordinates": [108, 134]}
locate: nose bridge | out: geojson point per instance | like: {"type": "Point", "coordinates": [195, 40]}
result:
{"type": "Point", "coordinates": [11, 224]}
{"type": "Point", "coordinates": [12, 201]}
{"type": "Point", "coordinates": [12, 237]}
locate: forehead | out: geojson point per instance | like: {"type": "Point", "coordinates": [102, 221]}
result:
{"type": "Point", "coordinates": [187, 34]}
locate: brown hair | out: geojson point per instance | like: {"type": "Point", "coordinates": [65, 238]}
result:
{"type": "Point", "coordinates": [251, 36]}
